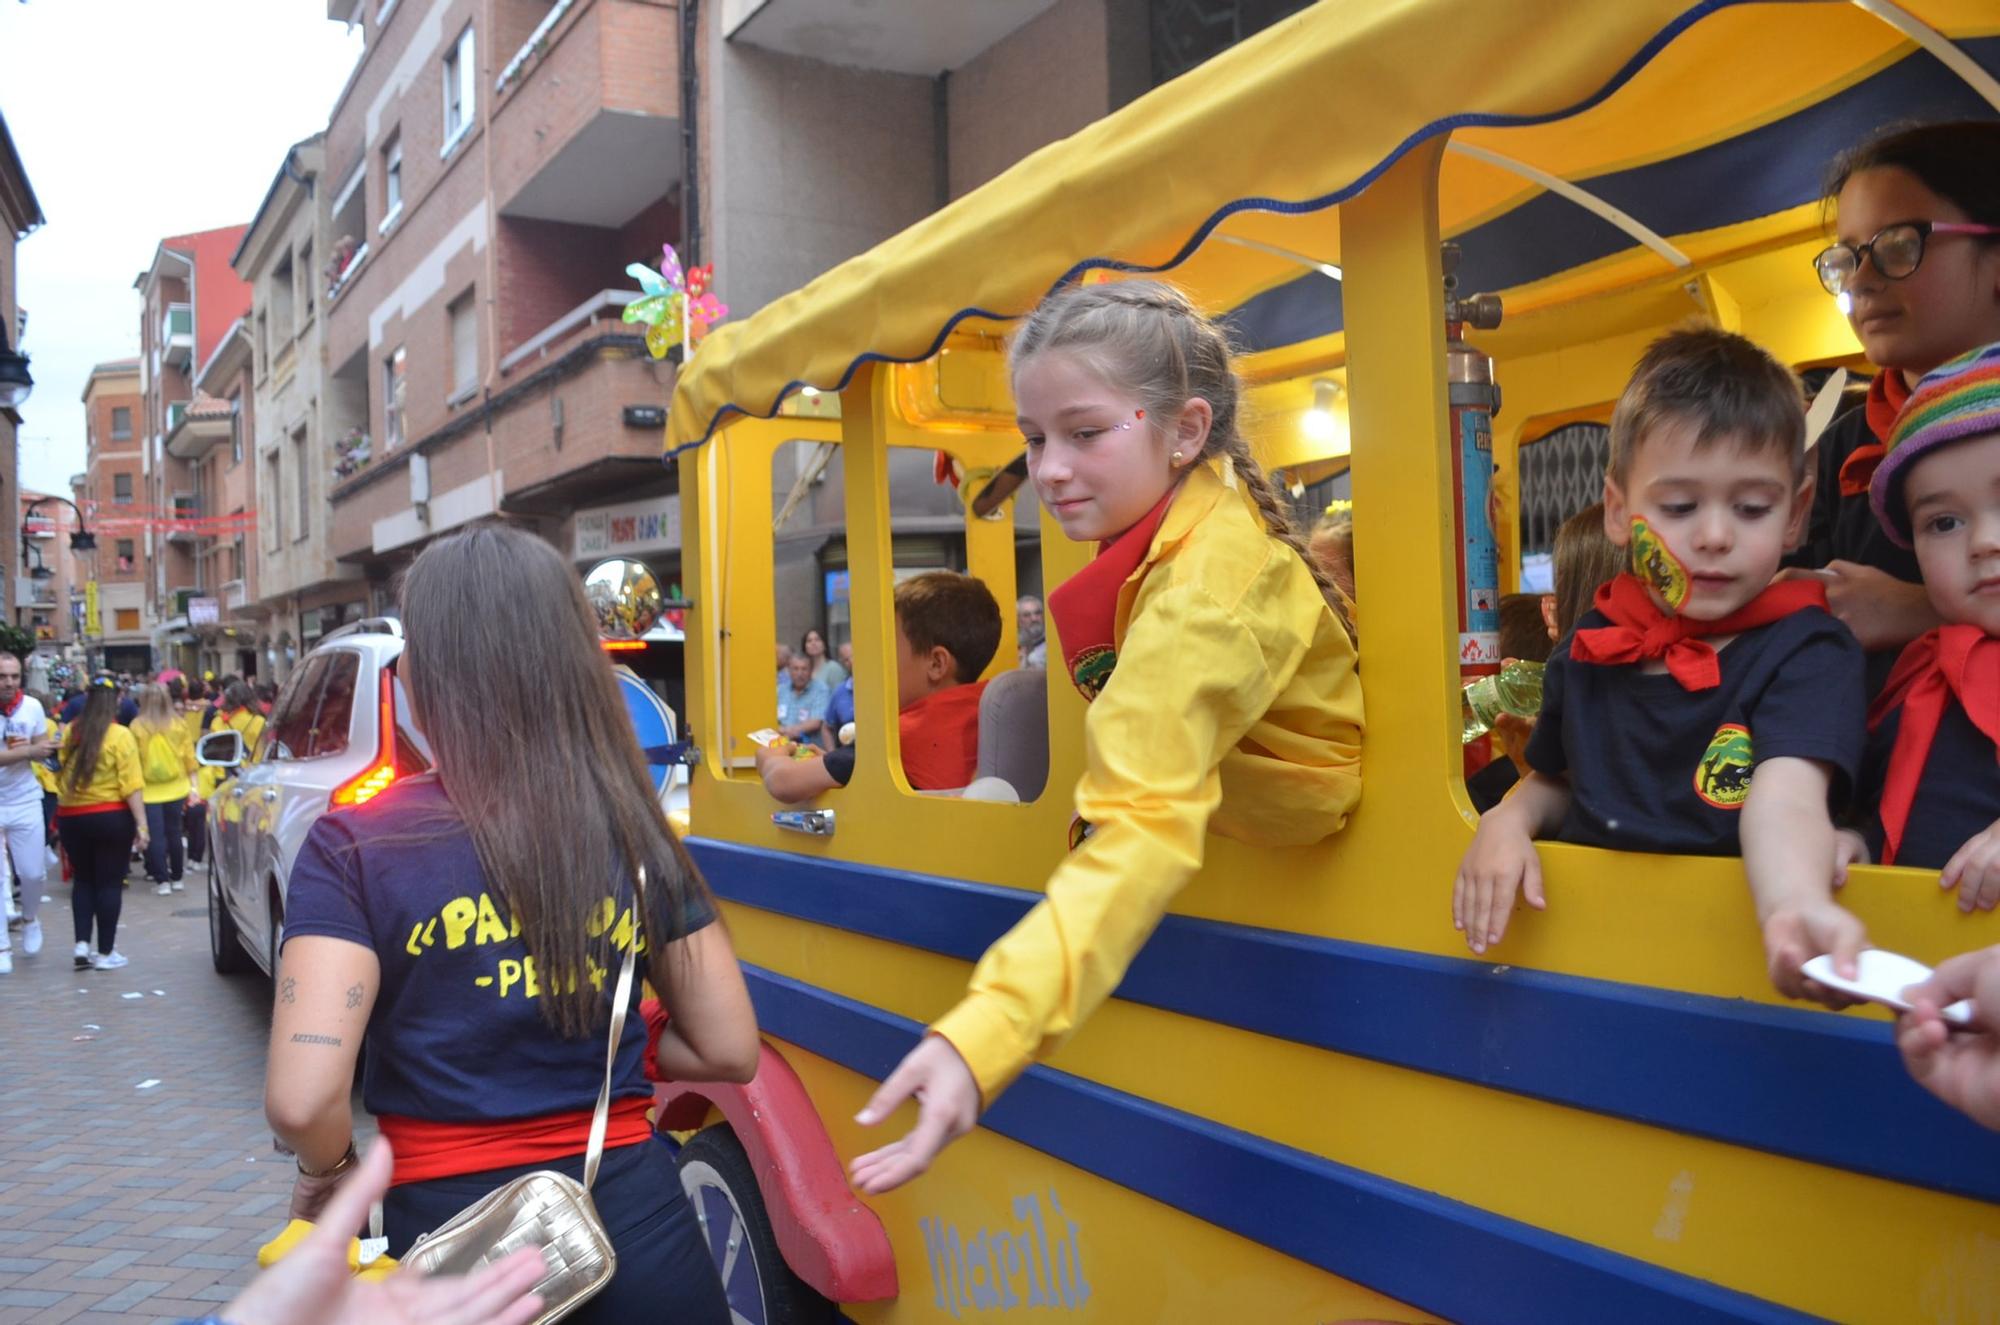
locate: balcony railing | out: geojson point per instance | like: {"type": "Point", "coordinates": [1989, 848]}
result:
{"type": "Point", "coordinates": [177, 334]}
{"type": "Point", "coordinates": [187, 509]}
{"type": "Point", "coordinates": [340, 271]}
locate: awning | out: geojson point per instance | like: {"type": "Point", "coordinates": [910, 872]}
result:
{"type": "Point", "coordinates": [1263, 142]}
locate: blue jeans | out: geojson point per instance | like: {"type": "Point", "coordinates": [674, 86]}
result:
{"type": "Point", "coordinates": [163, 841]}
{"type": "Point", "coordinates": [664, 1271]}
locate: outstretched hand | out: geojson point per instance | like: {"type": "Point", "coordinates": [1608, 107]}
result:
{"type": "Point", "coordinates": [313, 1286]}
{"type": "Point", "coordinates": [1795, 934]}
{"type": "Point", "coordinates": [1963, 1070]}
{"type": "Point", "coordinates": [947, 1106]}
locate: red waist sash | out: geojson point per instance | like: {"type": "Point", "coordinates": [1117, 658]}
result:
{"type": "Point", "coordinates": [427, 1150]}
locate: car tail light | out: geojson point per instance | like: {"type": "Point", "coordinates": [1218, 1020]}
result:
{"type": "Point", "coordinates": [381, 771]}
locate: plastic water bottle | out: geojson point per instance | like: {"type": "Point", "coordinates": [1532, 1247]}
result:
{"type": "Point", "coordinates": [1515, 688]}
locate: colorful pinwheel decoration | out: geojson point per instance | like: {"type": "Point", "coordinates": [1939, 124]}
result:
{"type": "Point", "coordinates": [677, 307]}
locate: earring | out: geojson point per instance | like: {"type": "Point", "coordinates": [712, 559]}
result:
{"type": "Point", "coordinates": [1176, 459]}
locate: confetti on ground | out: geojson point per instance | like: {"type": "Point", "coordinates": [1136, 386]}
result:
{"type": "Point", "coordinates": [89, 1027]}
{"type": "Point", "coordinates": [134, 994]}
{"type": "Point", "coordinates": [147, 1084]}
{"type": "Point", "coordinates": [77, 1039]}
{"type": "Point", "coordinates": [159, 993]}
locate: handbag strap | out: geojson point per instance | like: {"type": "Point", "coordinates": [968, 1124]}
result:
{"type": "Point", "coordinates": [600, 1120]}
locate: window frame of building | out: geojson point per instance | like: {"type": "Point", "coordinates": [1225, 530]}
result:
{"type": "Point", "coordinates": [235, 430]}
{"type": "Point", "coordinates": [127, 553]}
{"type": "Point", "coordinates": [121, 432]}
{"type": "Point", "coordinates": [460, 87]}
{"type": "Point", "coordinates": [392, 181]}
{"type": "Point", "coordinates": [125, 619]}
{"type": "Point", "coordinates": [308, 278]}
{"type": "Point", "coordinates": [236, 559]}
{"type": "Point", "coordinates": [273, 500]}
{"type": "Point", "coordinates": [462, 327]}
{"type": "Point", "coordinates": [395, 389]}
{"type": "Point", "coordinates": [301, 451]}
{"type": "Point", "coordinates": [121, 489]}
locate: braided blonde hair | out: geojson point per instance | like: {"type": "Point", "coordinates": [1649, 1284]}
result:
{"type": "Point", "coordinates": [1149, 337]}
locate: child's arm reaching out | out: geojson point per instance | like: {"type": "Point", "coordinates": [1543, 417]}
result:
{"type": "Point", "coordinates": [1788, 853]}
{"type": "Point", "coordinates": [1502, 859]}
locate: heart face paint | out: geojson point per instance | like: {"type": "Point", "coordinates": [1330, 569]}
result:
{"type": "Point", "coordinates": [1655, 563]}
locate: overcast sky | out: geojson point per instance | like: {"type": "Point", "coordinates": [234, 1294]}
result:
{"type": "Point", "coordinates": [139, 119]}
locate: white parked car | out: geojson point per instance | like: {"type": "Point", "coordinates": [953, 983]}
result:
{"type": "Point", "coordinates": [339, 733]}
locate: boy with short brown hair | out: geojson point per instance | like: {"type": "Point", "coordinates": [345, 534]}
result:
{"type": "Point", "coordinates": [1699, 708]}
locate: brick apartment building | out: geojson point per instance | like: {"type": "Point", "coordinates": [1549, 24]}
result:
{"type": "Point", "coordinates": [113, 480]}
{"type": "Point", "coordinates": [287, 257]}
{"type": "Point", "coordinates": [20, 213]}
{"type": "Point", "coordinates": [44, 607]}
{"type": "Point", "coordinates": [190, 301]}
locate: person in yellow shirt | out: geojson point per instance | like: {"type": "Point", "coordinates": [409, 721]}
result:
{"type": "Point", "coordinates": [166, 761]}
{"type": "Point", "coordinates": [239, 711]}
{"type": "Point", "coordinates": [99, 813]}
{"type": "Point", "coordinates": [1222, 681]}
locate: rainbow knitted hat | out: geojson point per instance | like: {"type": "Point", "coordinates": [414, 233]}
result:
{"type": "Point", "coordinates": [1954, 401]}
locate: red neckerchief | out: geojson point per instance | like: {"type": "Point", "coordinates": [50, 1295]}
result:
{"type": "Point", "coordinates": [1951, 662]}
{"type": "Point", "coordinates": [1085, 606]}
{"type": "Point", "coordinates": [940, 735]}
{"type": "Point", "coordinates": [1886, 395]}
{"type": "Point", "coordinates": [1641, 630]}
{"type": "Point", "coordinates": [19, 695]}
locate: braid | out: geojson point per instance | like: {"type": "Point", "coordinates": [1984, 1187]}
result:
{"type": "Point", "coordinates": [1278, 520]}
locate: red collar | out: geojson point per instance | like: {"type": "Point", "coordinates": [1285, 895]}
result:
{"type": "Point", "coordinates": [12, 708]}
{"type": "Point", "coordinates": [1886, 395]}
{"type": "Point", "coordinates": [1085, 606]}
{"type": "Point", "coordinates": [1641, 630]}
{"type": "Point", "coordinates": [1950, 663]}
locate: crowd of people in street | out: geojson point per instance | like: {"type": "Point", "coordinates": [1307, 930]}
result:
{"type": "Point", "coordinates": [106, 770]}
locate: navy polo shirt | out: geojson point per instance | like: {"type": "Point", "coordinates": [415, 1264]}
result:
{"type": "Point", "coordinates": [1958, 794]}
{"type": "Point", "coordinates": [1654, 767]}
{"type": "Point", "coordinates": [457, 1033]}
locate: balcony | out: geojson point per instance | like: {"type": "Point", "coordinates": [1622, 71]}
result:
{"type": "Point", "coordinates": [234, 595]}
{"type": "Point", "coordinates": [595, 92]}
{"type": "Point", "coordinates": [187, 510]}
{"type": "Point", "coordinates": [177, 335]}
{"type": "Point", "coordinates": [893, 36]}
{"type": "Point", "coordinates": [195, 427]}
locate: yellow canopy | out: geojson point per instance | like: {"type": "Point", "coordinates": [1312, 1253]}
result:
{"type": "Point", "coordinates": [1263, 142]}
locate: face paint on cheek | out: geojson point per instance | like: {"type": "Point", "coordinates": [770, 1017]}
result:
{"type": "Point", "coordinates": [1655, 563]}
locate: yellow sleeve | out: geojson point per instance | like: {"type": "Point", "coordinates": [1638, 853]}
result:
{"type": "Point", "coordinates": [1191, 680]}
{"type": "Point", "coordinates": [124, 754]}
{"type": "Point", "coordinates": [185, 741]}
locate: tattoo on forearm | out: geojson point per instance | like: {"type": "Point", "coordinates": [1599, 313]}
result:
{"type": "Point", "coordinates": [354, 996]}
{"type": "Point", "coordinates": [288, 991]}
{"type": "Point", "coordinates": [333, 1040]}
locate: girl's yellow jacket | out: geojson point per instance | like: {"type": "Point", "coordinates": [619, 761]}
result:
{"type": "Point", "coordinates": [1234, 707]}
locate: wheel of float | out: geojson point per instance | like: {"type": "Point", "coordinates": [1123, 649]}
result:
{"type": "Point", "coordinates": [225, 944]}
{"type": "Point", "coordinates": [761, 1288]}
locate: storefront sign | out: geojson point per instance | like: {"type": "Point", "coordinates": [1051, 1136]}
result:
{"type": "Point", "coordinates": [653, 525]}
{"type": "Point", "coordinates": [93, 623]}
{"type": "Point", "coordinates": [204, 611]}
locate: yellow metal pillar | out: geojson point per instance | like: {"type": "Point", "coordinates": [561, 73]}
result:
{"type": "Point", "coordinates": [864, 416]}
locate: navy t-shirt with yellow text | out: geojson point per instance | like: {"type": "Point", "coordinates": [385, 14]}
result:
{"type": "Point", "coordinates": [457, 1033]}
{"type": "Point", "coordinates": [1654, 767]}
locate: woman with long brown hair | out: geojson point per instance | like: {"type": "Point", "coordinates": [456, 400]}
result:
{"type": "Point", "coordinates": [99, 812]}
{"type": "Point", "coordinates": [472, 921]}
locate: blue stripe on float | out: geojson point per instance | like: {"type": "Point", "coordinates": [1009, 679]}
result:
{"type": "Point", "coordinates": [1439, 1255]}
{"type": "Point", "coordinates": [1760, 172]}
{"type": "Point", "coordinates": [1746, 1073]}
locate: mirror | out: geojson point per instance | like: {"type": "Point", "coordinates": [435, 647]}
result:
{"type": "Point", "coordinates": [625, 597]}
{"type": "Point", "coordinates": [222, 749]}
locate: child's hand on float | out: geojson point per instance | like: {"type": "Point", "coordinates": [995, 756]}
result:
{"type": "Point", "coordinates": [1974, 870]}
{"type": "Point", "coordinates": [1500, 862]}
{"type": "Point", "coordinates": [1849, 848]}
{"type": "Point", "coordinates": [1797, 932]}
{"type": "Point", "coordinates": [1963, 1070]}
{"type": "Point", "coordinates": [947, 1106]}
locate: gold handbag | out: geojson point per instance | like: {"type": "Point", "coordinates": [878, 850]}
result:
{"type": "Point", "coordinates": [544, 1209]}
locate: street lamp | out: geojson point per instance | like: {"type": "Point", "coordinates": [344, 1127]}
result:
{"type": "Point", "coordinates": [15, 381]}
{"type": "Point", "coordinates": [80, 541]}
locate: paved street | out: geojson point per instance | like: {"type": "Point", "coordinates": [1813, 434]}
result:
{"type": "Point", "coordinates": [121, 1200]}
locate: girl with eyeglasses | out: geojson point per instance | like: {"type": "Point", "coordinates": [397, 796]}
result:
{"type": "Point", "coordinates": [1915, 262]}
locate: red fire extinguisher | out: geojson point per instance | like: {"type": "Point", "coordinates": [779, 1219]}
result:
{"type": "Point", "coordinates": [1474, 399]}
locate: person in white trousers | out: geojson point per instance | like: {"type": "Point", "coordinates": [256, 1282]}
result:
{"type": "Point", "coordinates": [26, 729]}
